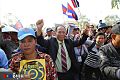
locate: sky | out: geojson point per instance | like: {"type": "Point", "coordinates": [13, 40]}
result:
{"type": "Point", "coordinates": [29, 11]}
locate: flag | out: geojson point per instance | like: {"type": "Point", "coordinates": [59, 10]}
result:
{"type": "Point", "coordinates": [18, 25]}
{"type": "Point", "coordinates": [64, 9]}
{"type": "Point", "coordinates": [75, 16]}
{"type": "Point", "coordinates": [70, 28]}
{"type": "Point", "coordinates": [75, 3]}
{"type": "Point", "coordinates": [71, 13]}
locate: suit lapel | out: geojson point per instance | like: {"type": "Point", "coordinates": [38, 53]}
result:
{"type": "Point", "coordinates": [67, 46]}
{"type": "Point", "coordinates": [56, 44]}
{"type": "Point", "coordinates": [54, 48]}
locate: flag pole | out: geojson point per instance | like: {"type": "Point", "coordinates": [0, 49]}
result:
{"type": "Point", "coordinates": [63, 15]}
{"type": "Point", "coordinates": [79, 13]}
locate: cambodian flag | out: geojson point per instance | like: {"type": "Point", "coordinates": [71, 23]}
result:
{"type": "Point", "coordinates": [64, 9]}
{"type": "Point", "coordinates": [71, 13]}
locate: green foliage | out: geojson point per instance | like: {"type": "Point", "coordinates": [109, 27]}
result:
{"type": "Point", "coordinates": [111, 19]}
{"type": "Point", "coordinates": [115, 3]}
{"type": "Point", "coordinates": [83, 21]}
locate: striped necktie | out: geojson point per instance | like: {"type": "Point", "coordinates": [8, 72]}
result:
{"type": "Point", "coordinates": [63, 58]}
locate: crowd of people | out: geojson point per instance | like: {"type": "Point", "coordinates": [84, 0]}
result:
{"type": "Point", "coordinates": [89, 54]}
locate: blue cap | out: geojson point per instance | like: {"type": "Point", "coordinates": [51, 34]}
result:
{"type": "Point", "coordinates": [24, 32]}
{"type": "Point", "coordinates": [102, 25]}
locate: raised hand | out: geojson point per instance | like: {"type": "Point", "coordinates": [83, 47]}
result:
{"type": "Point", "coordinates": [85, 31]}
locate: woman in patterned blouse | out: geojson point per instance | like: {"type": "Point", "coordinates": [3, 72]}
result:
{"type": "Point", "coordinates": [27, 43]}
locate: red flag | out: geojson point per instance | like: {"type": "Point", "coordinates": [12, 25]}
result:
{"type": "Point", "coordinates": [18, 25]}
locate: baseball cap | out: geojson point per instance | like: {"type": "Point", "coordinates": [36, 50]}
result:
{"type": "Point", "coordinates": [102, 26]}
{"type": "Point", "coordinates": [76, 28]}
{"type": "Point", "coordinates": [49, 29]}
{"type": "Point", "coordinates": [116, 28]}
{"type": "Point", "coordinates": [24, 32]}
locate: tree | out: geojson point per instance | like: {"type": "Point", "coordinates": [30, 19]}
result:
{"type": "Point", "coordinates": [10, 19]}
{"type": "Point", "coordinates": [83, 21]}
{"type": "Point", "coordinates": [111, 19]}
{"type": "Point", "coordinates": [115, 3]}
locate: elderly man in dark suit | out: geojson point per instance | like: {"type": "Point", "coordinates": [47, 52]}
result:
{"type": "Point", "coordinates": [61, 50]}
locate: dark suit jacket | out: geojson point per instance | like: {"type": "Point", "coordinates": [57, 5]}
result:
{"type": "Point", "coordinates": [52, 48]}
{"type": "Point", "coordinates": [110, 61]}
